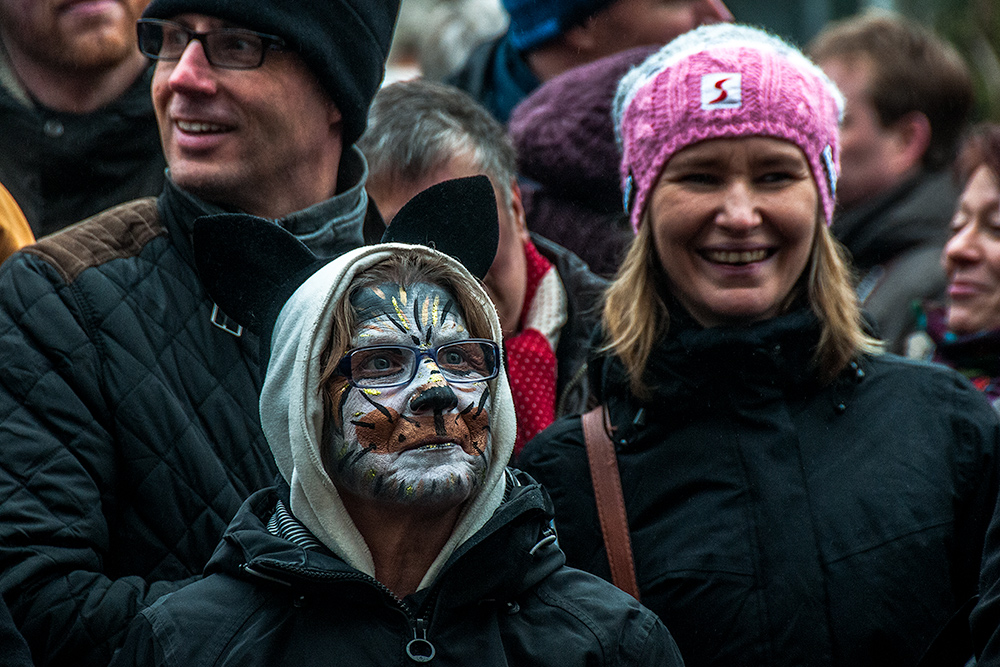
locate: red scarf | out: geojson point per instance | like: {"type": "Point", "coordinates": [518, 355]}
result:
{"type": "Point", "coordinates": [531, 361]}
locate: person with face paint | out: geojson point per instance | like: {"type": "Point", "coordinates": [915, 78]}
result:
{"type": "Point", "coordinates": [794, 495]}
{"type": "Point", "coordinates": [421, 133]}
{"type": "Point", "coordinates": [397, 534]}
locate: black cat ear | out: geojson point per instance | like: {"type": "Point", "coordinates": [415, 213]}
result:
{"type": "Point", "coordinates": [250, 266]}
{"type": "Point", "coordinates": [456, 217]}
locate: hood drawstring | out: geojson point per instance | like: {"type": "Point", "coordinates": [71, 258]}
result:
{"type": "Point", "coordinates": [548, 537]}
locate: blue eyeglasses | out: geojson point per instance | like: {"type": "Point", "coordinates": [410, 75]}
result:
{"type": "Point", "coordinates": [384, 366]}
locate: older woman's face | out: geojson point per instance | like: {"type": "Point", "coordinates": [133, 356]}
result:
{"type": "Point", "coordinates": [972, 256]}
{"type": "Point", "coordinates": [733, 226]}
{"type": "Point", "coordinates": [426, 442]}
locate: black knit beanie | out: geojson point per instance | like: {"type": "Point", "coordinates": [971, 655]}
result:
{"type": "Point", "coordinates": [343, 42]}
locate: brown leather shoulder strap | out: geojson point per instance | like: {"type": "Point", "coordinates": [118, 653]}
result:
{"type": "Point", "coordinates": [610, 502]}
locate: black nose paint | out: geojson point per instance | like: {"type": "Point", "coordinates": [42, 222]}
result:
{"type": "Point", "coordinates": [440, 397]}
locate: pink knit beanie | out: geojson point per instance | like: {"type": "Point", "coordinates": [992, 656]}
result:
{"type": "Point", "coordinates": [724, 80]}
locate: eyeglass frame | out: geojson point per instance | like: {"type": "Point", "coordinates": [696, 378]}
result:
{"type": "Point", "coordinates": [268, 42]}
{"type": "Point", "coordinates": [343, 367]}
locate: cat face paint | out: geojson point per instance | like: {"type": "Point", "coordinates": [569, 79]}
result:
{"type": "Point", "coordinates": [423, 443]}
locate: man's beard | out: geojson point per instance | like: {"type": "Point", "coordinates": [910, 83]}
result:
{"type": "Point", "coordinates": [91, 49]}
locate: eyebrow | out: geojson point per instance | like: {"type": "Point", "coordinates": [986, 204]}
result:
{"type": "Point", "coordinates": [687, 162]}
{"type": "Point", "coordinates": [213, 23]}
{"type": "Point", "coordinates": [781, 160]}
{"type": "Point", "coordinates": [770, 160]}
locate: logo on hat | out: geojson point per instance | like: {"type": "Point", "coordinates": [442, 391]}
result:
{"type": "Point", "coordinates": [831, 169]}
{"type": "Point", "coordinates": [721, 90]}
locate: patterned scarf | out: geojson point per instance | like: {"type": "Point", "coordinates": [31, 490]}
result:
{"type": "Point", "coordinates": [531, 358]}
{"type": "Point", "coordinates": [976, 355]}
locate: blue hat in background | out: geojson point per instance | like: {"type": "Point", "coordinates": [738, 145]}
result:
{"type": "Point", "coordinates": [533, 22]}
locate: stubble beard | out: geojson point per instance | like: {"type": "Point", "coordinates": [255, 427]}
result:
{"type": "Point", "coordinates": [94, 46]}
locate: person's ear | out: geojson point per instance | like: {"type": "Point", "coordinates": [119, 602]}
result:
{"type": "Point", "coordinates": [333, 114]}
{"type": "Point", "coordinates": [457, 217]}
{"type": "Point", "coordinates": [517, 210]}
{"type": "Point", "coordinates": [583, 37]}
{"type": "Point", "coordinates": [912, 137]}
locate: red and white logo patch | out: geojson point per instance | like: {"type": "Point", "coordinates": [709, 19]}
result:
{"type": "Point", "coordinates": [721, 90]}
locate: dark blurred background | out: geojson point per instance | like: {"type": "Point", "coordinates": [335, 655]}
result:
{"type": "Point", "coordinates": [973, 26]}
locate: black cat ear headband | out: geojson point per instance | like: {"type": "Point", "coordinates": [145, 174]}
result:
{"type": "Point", "coordinates": [251, 266]}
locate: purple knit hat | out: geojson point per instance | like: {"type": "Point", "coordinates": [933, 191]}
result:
{"type": "Point", "coordinates": [724, 80]}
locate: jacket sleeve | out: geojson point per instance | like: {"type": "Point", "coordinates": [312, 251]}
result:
{"type": "Point", "coordinates": [13, 650]}
{"type": "Point", "coordinates": [659, 647]}
{"type": "Point", "coordinates": [57, 474]}
{"type": "Point", "coordinates": [985, 619]}
{"type": "Point", "coordinates": [977, 429]}
{"type": "Point", "coordinates": [141, 648]}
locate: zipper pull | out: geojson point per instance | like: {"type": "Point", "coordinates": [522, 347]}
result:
{"type": "Point", "coordinates": [419, 648]}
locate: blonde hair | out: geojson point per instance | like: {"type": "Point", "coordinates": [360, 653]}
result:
{"type": "Point", "coordinates": [635, 313]}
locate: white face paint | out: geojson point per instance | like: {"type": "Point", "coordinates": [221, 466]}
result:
{"type": "Point", "coordinates": [423, 443]}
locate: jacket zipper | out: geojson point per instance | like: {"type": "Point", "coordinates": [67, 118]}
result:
{"type": "Point", "coordinates": [418, 649]}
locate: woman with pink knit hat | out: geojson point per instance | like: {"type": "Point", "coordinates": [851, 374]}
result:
{"type": "Point", "coordinates": [793, 495]}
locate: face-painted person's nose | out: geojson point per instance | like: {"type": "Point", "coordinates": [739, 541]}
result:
{"type": "Point", "coordinates": [435, 398]}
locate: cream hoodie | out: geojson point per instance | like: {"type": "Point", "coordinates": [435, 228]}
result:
{"type": "Point", "coordinates": [291, 411]}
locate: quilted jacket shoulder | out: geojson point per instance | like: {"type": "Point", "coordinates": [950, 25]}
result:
{"type": "Point", "coordinates": [129, 424]}
{"type": "Point", "coordinates": [116, 233]}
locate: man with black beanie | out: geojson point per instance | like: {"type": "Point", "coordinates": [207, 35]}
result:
{"type": "Point", "coordinates": [128, 400]}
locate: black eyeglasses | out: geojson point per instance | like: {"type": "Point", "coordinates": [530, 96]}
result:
{"type": "Point", "coordinates": [383, 366]}
{"type": "Point", "coordinates": [229, 48]}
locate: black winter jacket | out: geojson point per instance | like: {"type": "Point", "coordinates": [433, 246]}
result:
{"type": "Point", "coordinates": [895, 241]}
{"type": "Point", "coordinates": [129, 424]}
{"type": "Point", "coordinates": [504, 598]}
{"type": "Point", "coordinates": [776, 521]}
{"type": "Point", "coordinates": [985, 618]}
{"type": "Point", "coordinates": [13, 649]}
{"type": "Point", "coordinates": [63, 167]}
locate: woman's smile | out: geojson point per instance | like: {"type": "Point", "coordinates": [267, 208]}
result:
{"type": "Point", "coordinates": [734, 222]}
{"type": "Point", "coordinates": [737, 257]}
